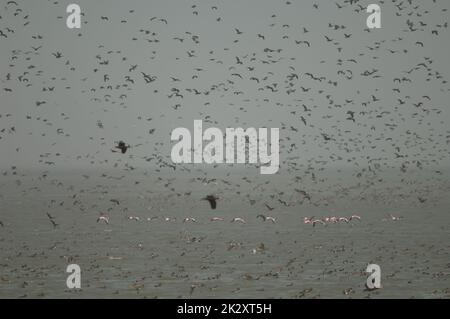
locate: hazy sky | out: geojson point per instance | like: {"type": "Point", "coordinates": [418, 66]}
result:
{"type": "Point", "coordinates": [233, 71]}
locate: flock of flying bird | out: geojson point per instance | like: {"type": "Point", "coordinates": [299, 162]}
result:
{"type": "Point", "coordinates": [367, 133]}
{"type": "Point", "coordinates": [400, 130]}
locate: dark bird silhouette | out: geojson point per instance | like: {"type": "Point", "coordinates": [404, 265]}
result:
{"type": "Point", "coordinates": [212, 200]}
{"type": "Point", "coordinates": [122, 147]}
{"type": "Point", "coordinates": [283, 202]}
{"type": "Point", "coordinates": [421, 199]}
{"type": "Point", "coordinates": [303, 119]}
{"type": "Point", "coordinates": [148, 78]}
{"type": "Point", "coordinates": [57, 55]}
{"type": "Point", "coordinates": [52, 220]}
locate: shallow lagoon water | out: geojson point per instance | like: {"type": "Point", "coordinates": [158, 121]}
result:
{"type": "Point", "coordinates": [160, 259]}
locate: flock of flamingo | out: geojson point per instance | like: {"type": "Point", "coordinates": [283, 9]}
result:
{"type": "Point", "coordinates": [331, 219]}
{"type": "Point", "coordinates": [306, 220]}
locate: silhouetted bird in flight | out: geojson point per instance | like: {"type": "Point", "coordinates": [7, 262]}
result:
{"type": "Point", "coordinates": [212, 200]}
{"type": "Point", "coordinates": [267, 218]}
{"type": "Point", "coordinates": [122, 147]}
{"type": "Point", "coordinates": [51, 218]}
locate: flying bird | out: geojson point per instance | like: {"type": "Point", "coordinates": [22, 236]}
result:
{"type": "Point", "coordinates": [103, 218]}
{"type": "Point", "coordinates": [212, 200]}
{"type": "Point", "coordinates": [122, 147]}
{"type": "Point", "coordinates": [267, 218]}
{"type": "Point", "coordinates": [51, 218]}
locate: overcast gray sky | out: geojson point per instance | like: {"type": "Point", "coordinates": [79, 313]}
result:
{"type": "Point", "coordinates": [233, 63]}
